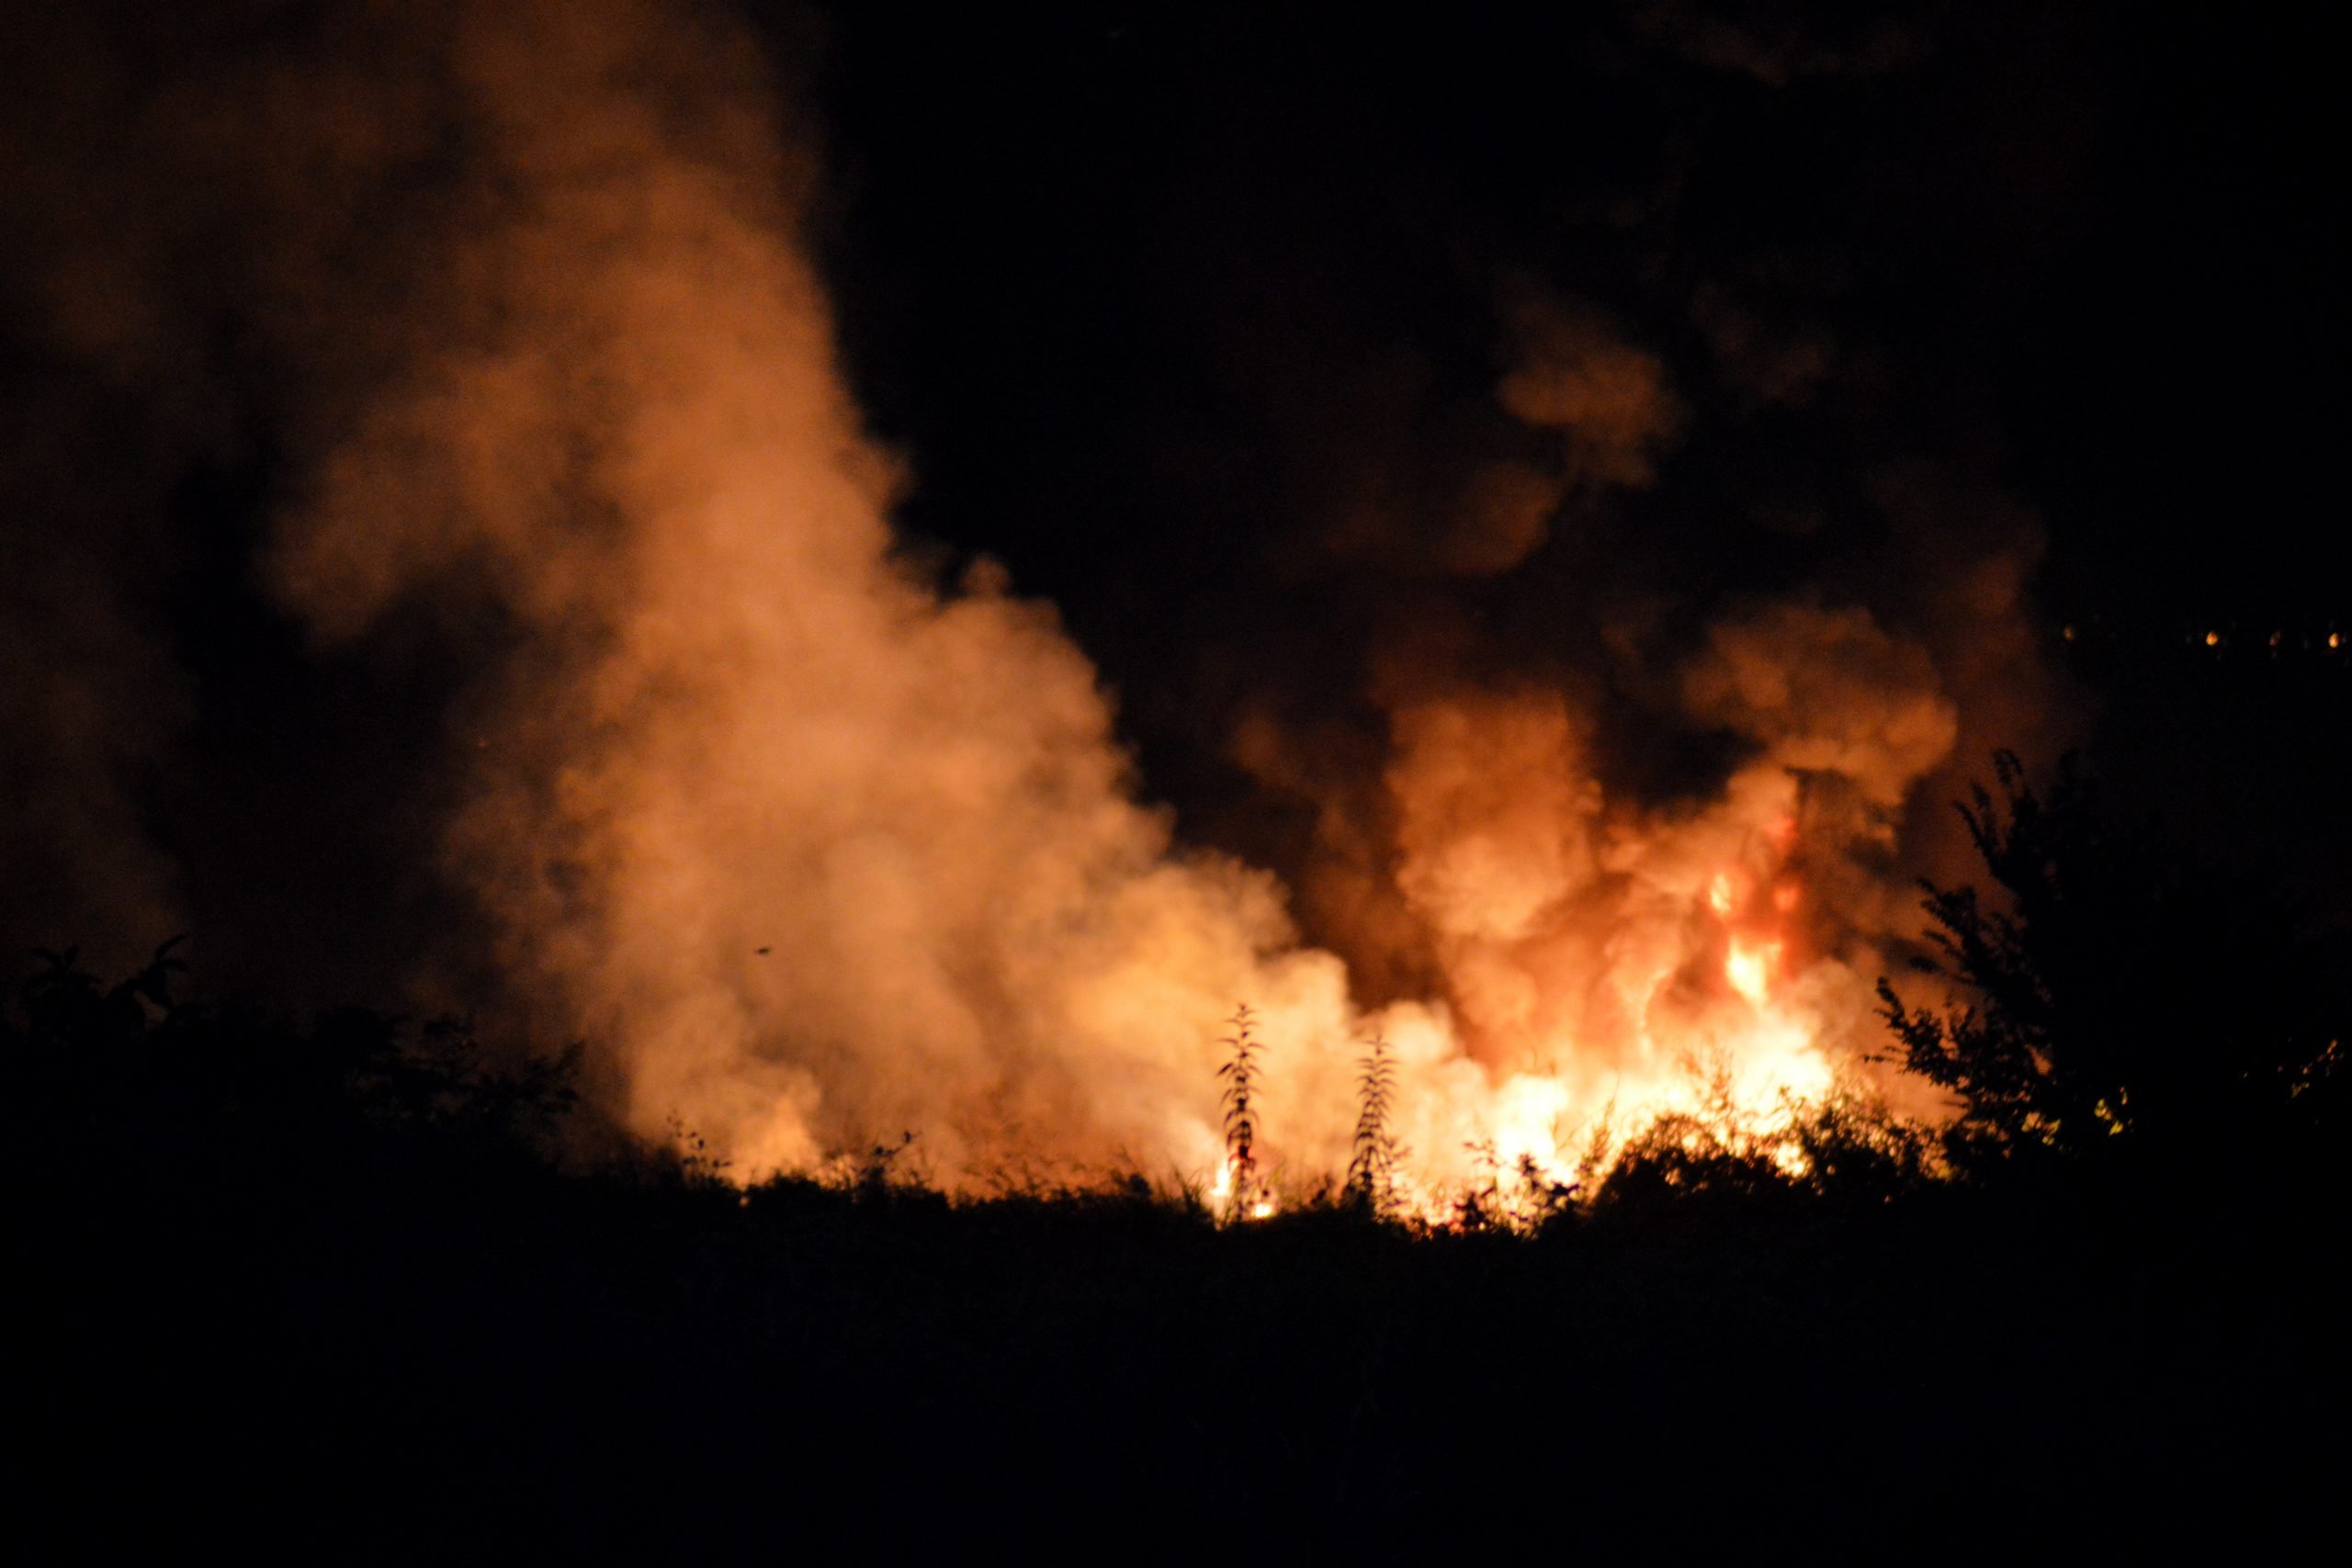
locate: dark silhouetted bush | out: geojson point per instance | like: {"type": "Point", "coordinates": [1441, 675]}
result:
{"type": "Point", "coordinates": [2121, 992]}
{"type": "Point", "coordinates": [130, 1078]}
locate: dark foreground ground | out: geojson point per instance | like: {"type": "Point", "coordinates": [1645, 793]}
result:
{"type": "Point", "coordinates": [284, 1297]}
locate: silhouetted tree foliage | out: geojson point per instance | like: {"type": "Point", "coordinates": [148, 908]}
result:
{"type": "Point", "coordinates": [129, 1076]}
{"type": "Point", "coordinates": [2119, 991]}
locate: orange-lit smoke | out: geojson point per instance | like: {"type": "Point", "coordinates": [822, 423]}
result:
{"type": "Point", "coordinates": [813, 850]}
{"type": "Point", "coordinates": [1614, 953]}
{"type": "Point", "coordinates": [823, 851]}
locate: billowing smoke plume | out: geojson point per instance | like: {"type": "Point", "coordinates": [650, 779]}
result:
{"type": "Point", "coordinates": [810, 847]}
{"type": "Point", "coordinates": [813, 849]}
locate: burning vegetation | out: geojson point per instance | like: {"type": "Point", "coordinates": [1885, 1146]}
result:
{"type": "Point", "coordinates": [807, 841]}
{"type": "Point", "coordinates": [351, 1232]}
{"type": "Point", "coordinates": [446, 485]}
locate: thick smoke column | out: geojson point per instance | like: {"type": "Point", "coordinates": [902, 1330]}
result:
{"type": "Point", "coordinates": [809, 849]}
{"type": "Point", "coordinates": [824, 852]}
{"type": "Point", "coordinates": [812, 849]}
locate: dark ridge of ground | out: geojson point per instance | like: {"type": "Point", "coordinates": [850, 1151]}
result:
{"type": "Point", "coordinates": [323, 1296]}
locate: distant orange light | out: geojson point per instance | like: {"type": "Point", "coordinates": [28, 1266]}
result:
{"type": "Point", "coordinates": [2212, 639]}
{"type": "Point", "coordinates": [2335, 639]}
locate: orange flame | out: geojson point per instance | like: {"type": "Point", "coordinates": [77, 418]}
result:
{"type": "Point", "coordinates": [1749, 968]}
{"type": "Point", "coordinates": [1720, 897]}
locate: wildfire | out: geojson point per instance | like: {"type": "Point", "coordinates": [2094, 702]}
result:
{"type": "Point", "coordinates": [1752, 959]}
{"type": "Point", "coordinates": [810, 842]}
{"type": "Point", "coordinates": [1223, 1203]}
{"type": "Point", "coordinates": [1722, 895]}
{"type": "Point", "coordinates": [1749, 968]}
{"type": "Point", "coordinates": [1711, 1009]}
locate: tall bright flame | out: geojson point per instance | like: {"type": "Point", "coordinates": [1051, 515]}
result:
{"type": "Point", "coordinates": [1749, 968]}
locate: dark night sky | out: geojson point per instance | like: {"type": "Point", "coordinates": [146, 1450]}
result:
{"type": "Point", "coordinates": [2088, 244]}
{"type": "Point", "coordinates": [1141, 289]}
{"type": "Point", "coordinates": [1194, 316]}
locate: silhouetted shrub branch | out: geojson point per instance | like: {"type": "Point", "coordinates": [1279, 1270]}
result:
{"type": "Point", "coordinates": [2116, 989]}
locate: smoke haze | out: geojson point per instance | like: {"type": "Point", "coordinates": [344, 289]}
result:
{"type": "Point", "coordinates": [500, 335]}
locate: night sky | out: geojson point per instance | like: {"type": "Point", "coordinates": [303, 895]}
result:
{"type": "Point", "coordinates": [2073, 250]}
{"type": "Point", "coordinates": [1159, 300]}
